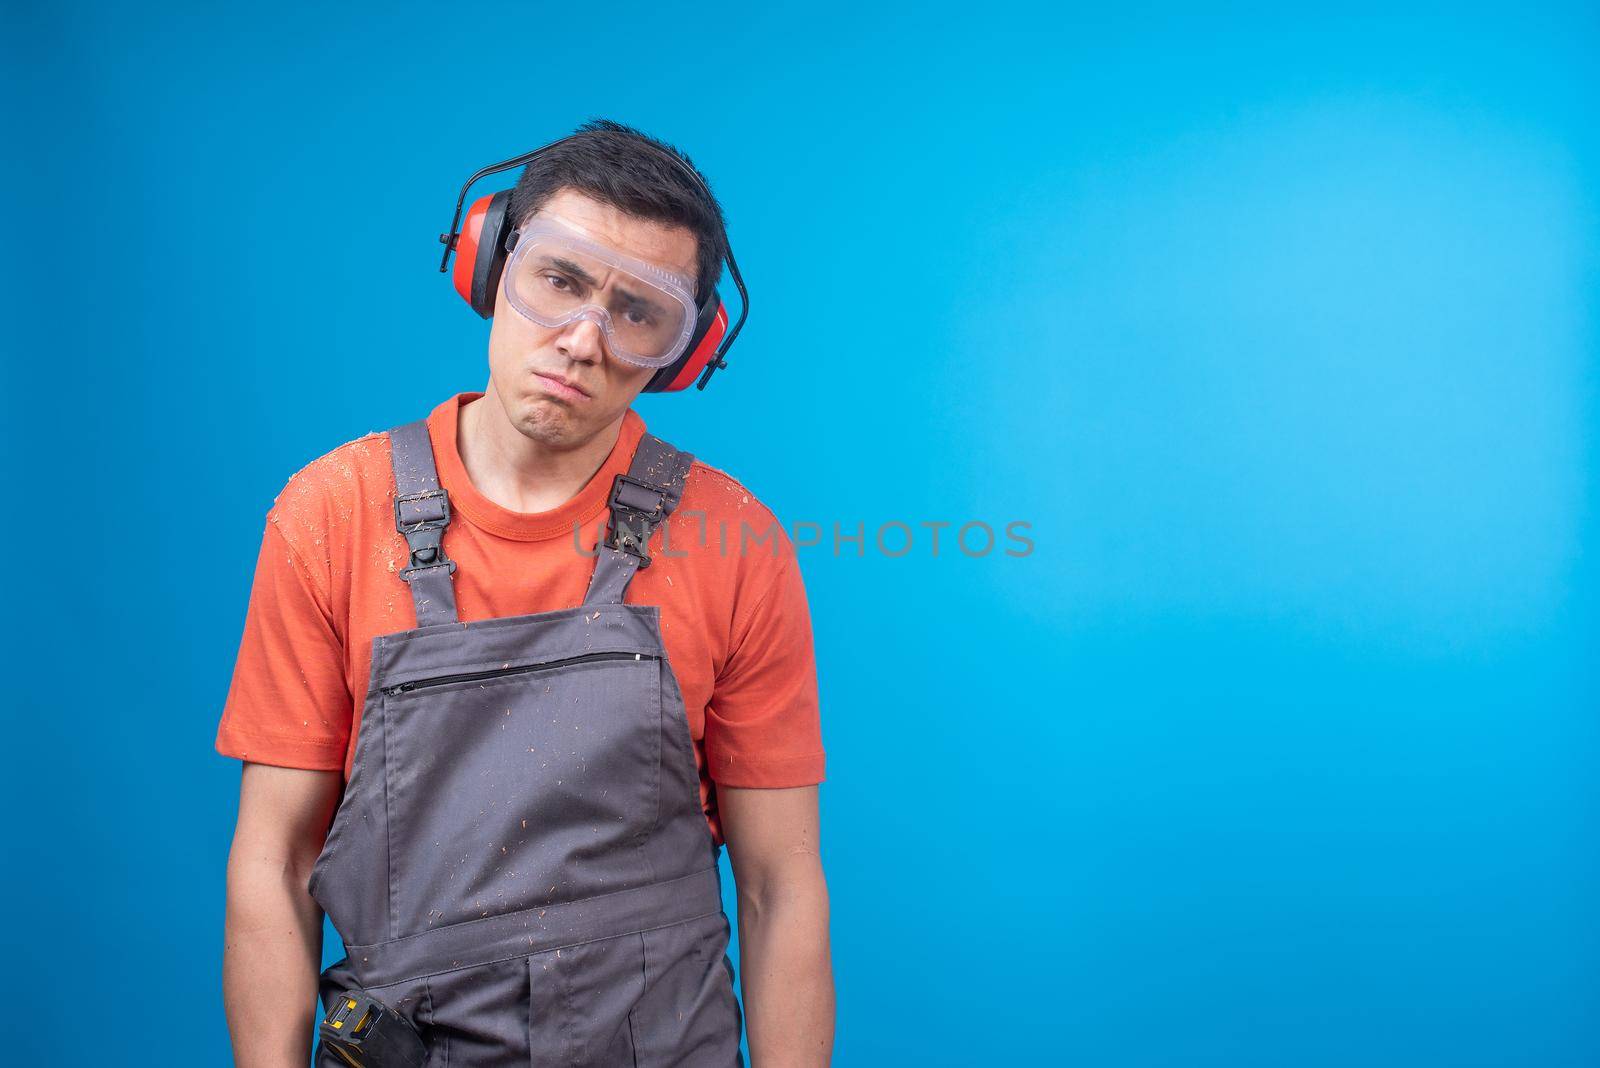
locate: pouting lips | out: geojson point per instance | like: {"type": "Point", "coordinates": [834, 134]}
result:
{"type": "Point", "coordinates": [561, 387]}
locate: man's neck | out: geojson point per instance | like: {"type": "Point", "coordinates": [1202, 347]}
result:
{"type": "Point", "coordinates": [517, 472]}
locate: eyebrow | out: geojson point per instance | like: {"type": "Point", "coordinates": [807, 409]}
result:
{"type": "Point", "coordinates": [571, 268]}
{"type": "Point", "coordinates": [643, 302]}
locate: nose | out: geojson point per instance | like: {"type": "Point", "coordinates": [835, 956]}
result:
{"type": "Point", "coordinates": [582, 341]}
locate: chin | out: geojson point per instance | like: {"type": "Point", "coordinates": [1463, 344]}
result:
{"type": "Point", "coordinates": [542, 419]}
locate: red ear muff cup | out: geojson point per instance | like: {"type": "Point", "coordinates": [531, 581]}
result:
{"type": "Point", "coordinates": [481, 252]}
{"type": "Point", "coordinates": [466, 248]}
{"type": "Point", "coordinates": [708, 332]}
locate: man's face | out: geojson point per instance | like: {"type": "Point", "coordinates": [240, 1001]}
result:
{"type": "Point", "coordinates": [560, 385]}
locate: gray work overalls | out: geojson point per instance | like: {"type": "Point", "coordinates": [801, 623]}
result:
{"type": "Point", "coordinates": [520, 864]}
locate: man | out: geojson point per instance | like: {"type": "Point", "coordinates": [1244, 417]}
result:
{"type": "Point", "coordinates": [512, 676]}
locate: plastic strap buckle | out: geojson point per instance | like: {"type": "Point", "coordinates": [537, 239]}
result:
{"type": "Point", "coordinates": [417, 511]}
{"type": "Point", "coordinates": [636, 507]}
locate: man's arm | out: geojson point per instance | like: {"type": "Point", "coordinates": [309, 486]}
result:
{"type": "Point", "coordinates": [273, 941]}
{"type": "Point", "coordinates": [784, 961]}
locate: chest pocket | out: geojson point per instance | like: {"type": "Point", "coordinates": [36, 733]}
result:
{"type": "Point", "coordinates": [508, 785]}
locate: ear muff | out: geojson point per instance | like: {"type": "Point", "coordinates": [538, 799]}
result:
{"type": "Point", "coordinates": [481, 258]}
{"type": "Point", "coordinates": [478, 244]}
{"type": "Point", "coordinates": [481, 252]}
{"type": "Point", "coordinates": [708, 331]}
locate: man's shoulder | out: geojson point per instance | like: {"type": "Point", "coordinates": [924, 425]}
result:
{"type": "Point", "coordinates": [716, 492]}
{"type": "Point", "coordinates": [327, 491]}
{"type": "Point", "coordinates": [726, 514]}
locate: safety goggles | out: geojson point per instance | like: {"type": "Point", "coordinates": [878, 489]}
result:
{"type": "Point", "coordinates": [558, 274]}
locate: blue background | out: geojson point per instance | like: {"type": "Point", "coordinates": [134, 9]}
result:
{"type": "Point", "coordinates": [1280, 748]}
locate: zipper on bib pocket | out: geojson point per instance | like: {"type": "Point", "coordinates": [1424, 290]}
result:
{"type": "Point", "coordinates": [495, 673]}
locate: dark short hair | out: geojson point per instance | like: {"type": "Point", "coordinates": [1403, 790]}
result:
{"type": "Point", "coordinates": [622, 167]}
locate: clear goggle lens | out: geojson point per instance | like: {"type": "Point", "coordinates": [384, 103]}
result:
{"type": "Point", "coordinates": [556, 275]}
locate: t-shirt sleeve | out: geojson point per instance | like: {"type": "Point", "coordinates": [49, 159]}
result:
{"type": "Point", "coordinates": [288, 704]}
{"type": "Point", "coordinates": [762, 725]}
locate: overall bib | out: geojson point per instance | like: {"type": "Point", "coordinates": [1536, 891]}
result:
{"type": "Point", "coordinates": [520, 864]}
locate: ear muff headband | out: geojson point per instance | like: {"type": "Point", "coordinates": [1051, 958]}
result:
{"type": "Point", "coordinates": [480, 249]}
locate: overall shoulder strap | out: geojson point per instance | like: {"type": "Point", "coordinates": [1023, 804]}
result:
{"type": "Point", "coordinates": [421, 513]}
{"type": "Point", "coordinates": [640, 501]}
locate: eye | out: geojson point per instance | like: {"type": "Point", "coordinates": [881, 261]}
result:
{"type": "Point", "coordinates": [559, 282]}
{"type": "Point", "coordinates": [639, 317]}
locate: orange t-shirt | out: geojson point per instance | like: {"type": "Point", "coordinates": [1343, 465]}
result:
{"type": "Point", "coordinates": [733, 606]}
